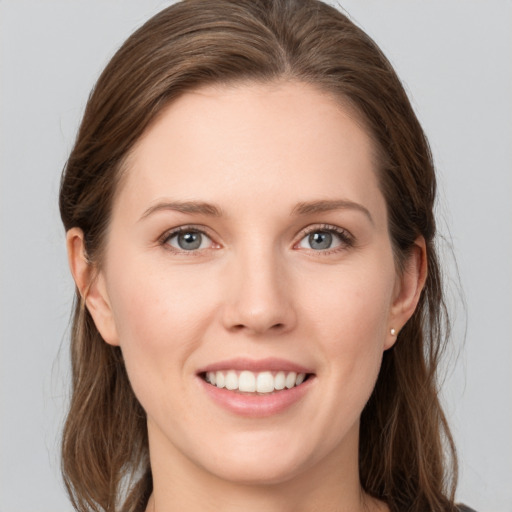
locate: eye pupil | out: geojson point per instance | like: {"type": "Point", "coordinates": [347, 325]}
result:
{"type": "Point", "coordinates": [320, 240]}
{"type": "Point", "coordinates": [189, 240]}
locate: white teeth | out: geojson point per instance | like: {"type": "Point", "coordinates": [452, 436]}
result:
{"type": "Point", "coordinates": [231, 381]}
{"type": "Point", "coordinates": [279, 380]}
{"type": "Point", "coordinates": [219, 379]}
{"type": "Point", "coordinates": [250, 382]}
{"type": "Point", "coordinates": [290, 380]}
{"type": "Point", "coordinates": [247, 382]}
{"type": "Point", "coordinates": [265, 382]}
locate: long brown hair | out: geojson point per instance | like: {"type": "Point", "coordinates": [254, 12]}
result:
{"type": "Point", "coordinates": [406, 455]}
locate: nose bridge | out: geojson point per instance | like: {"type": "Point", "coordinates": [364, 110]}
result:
{"type": "Point", "coordinates": [258, 299]}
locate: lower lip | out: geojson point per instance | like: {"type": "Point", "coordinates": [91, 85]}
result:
{"type": "Point", "coordinates": [257, 406]}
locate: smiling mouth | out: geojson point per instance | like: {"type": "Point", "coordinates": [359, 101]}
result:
{"type": "Point", "coordinates": [265, 382]}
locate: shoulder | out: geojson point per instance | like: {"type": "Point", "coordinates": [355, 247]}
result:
{"type": "Point", "coordinates": [464, 508]}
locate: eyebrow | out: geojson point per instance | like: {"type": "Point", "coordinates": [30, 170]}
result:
{"type": "Point", "coordinates": [198, 207]}
{"type": "Point", "coordinates": [308, 208]}
{"type": "Point", "coordinates": [303, 208]}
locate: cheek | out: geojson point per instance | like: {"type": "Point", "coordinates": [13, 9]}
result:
{"type": "Point", "coordinates": [150, 294]}
{"type": "Point", "coordinates": [160, 314]}
{"type": "Point", "coordinates": [349, 320]}
{"type": "Point", "coordinates": [352, 307]}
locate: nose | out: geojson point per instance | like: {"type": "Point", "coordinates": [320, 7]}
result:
{"type": "Point", "coordinates": [259, 295]}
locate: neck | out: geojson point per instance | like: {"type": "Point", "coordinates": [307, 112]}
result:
{"type": "Point", "coordinates": [329, 485]}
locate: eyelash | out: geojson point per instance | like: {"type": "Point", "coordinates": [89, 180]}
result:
{"type": "Point", "coordinates": [346, 239]}
{"type": "Point", "coordinates": [164, 239]}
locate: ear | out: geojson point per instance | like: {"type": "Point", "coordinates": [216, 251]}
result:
{"type": "Point", "coordinates": [91, 285]}
{"type": "Point", "coordinates": [408, 288]}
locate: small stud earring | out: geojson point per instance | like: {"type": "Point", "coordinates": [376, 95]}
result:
{"type": "Point", "coordinates": [393, 331]}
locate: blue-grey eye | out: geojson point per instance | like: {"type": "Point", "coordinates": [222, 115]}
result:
{"type": "Point", "coordinates": [189, 240]}
{"type": "Point", "coordinates": [321, 240]}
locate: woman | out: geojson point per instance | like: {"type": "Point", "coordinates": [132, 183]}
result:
{"type": "Point", "coordinates": [259, 314]}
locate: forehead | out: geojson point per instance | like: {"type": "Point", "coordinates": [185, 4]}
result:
{"type": "Point", "coordinates": [279, 142]}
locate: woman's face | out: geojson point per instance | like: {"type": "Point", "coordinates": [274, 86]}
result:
{"type": "Point", "coordinates": [248, 246]}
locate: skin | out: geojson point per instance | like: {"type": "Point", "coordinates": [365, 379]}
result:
{"type": "Point", "coordinates": [256, 288]}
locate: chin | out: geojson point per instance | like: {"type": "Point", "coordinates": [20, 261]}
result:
{"type": "Point", "coordinates": [259, 463]}
{"type": "Point", "coordinates": [256, 473]}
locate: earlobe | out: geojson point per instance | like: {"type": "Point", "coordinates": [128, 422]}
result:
{"type": "Point", "coordinates": [91, 286]}
{"type": "Point", "coordinates": [408, 288]}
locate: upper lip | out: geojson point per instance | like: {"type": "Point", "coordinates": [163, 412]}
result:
{"type": "Point", "coordinates": [255, 365]}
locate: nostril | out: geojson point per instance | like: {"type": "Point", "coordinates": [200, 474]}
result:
{"type": "Point", "coordinates": [276, 327]}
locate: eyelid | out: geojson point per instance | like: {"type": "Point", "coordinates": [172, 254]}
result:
{"type": "Point", "coordinates": [346, 237]}
{"type": "Point", "coordinates": [164, 238]}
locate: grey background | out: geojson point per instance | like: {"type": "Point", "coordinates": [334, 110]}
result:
{"type": "Point", "coordinates": [454, 57]}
